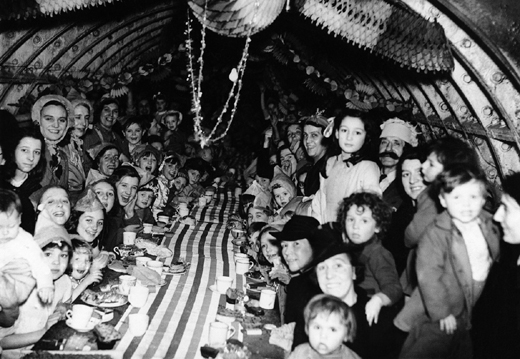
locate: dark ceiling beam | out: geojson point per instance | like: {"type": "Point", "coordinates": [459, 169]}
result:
{"type": "Point", "coordinates": [113, 31]}
{"type": "Point", "coordinates": [12, 49]}
{"type": "Point", "coordinates": [143, 48]}
{"type": "Point", "coordinates": [34, 55]}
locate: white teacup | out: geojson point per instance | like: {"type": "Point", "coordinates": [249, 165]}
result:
{"type": "Point", "coordinates": [223, 283]}
{"type": "Point", "coordinates": [219, 333]}
{"type": "Point", "coordinates": [267, 298]}
{"type": "Point", "coordinates": [138, 323]}
{"type": "Point", "coordinates": [164, 219]}
{"type": "Point", "coordinates": [242, 266]}
{"type": "Point", "coordinates": [141, 261]}
{"type": "Point", "coordinates": [80, 315]}
{"type": "Point", "coordinates": [243, 256]}
{"type": "Point", "coordinates": [138, 295]}
{"type": "Point", "coordinates": [147, 228]}
{"type": "Point", "coordinates": [183, 212]}
{"type": "Point", "coordinates": [156, 266]}
{"type": "Point", "coordinates": [125, 283]}
{"type": "Point", "coordinates": [129, 238]}
{"type": "Point", "coordinates": [238, 192]}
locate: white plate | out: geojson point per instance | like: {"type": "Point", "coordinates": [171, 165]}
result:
{"type": "Point", "coordinates": [107, 305]}
{"type": "Point", "coordinates": [213, 288]}
{"type": "Point", "coordinates": [89, 327]}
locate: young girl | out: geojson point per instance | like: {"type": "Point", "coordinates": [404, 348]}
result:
{"type": "Point", "coordinates": [329, 323]}
{"type": "Point", "coordinates": [143, 205]}
{"type": "Point", "coordinates": [454, 257]}
{"type": "Point", "coordinates": [53, 207]}
{"type": "Point", "coordinates": [352, 169]}
{"type": "Point", "coordinates": [80, 268]}
{"type": "Point", "coordinates": [147, 159]}
{"type": "Point", "coordinates": [364, 218]}
{"type": "Point", "coordinates": [168, 172]}
{"type": "Point", "coordinates": [24, 170]}
{"type": "Point", "coordinates": [36, 317]}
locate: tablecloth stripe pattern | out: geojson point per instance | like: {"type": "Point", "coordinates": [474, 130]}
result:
{"type": "Point", "coordinates": [180, 311]}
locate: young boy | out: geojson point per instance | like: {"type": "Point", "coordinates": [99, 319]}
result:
{"type": "Point", "coordinates": [364, 218]}
{"type": "Point", "coordinates": [143, 204]}
{"type": "Point", "coordinates": [174, 138]}
{"type": "Point", "coordinates": [17, 243]}
{"type": "Point", "coordinates": [329, 323]}
{"type": "Point", "coordinates": [283, 189]}
{"type": "Point", "coordinates": [454, 257]}
{"type": "Point", "coordinates": [193, 189]}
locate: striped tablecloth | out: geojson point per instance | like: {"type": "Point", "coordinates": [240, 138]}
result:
{"type": "Point", "coordinates": [180, 312]}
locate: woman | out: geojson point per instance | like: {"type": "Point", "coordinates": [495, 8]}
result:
{"type": "Point", "coordinates": [126, 181]}
{"type": "Point", "coordinates": [336, 276]}
{"type": "Point", "coordinates": [106, 160]}
{"type": "Point", "coordinates": [412, 184]}
{"type": "Point", "coordinates": [496, 316]}
{"type": "Point", "coordinates": [24, 170]}
{"type": "Point", "coordinates": [316, 145]}
{"type": "Point", "coordinates": [299, 245]}
{"type": "Point", "coordinates": [79, 163]}
{"type": "Point", "coordinates": [54, 115]}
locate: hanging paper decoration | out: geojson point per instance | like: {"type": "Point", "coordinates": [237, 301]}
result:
{"type": "Point", "coordinates": [386, 28]}
{"type": "Point", "coordinates": [235, 18]}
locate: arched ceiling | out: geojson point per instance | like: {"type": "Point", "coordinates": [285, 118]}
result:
{"type": "Point", "coordinates": [478, 101]}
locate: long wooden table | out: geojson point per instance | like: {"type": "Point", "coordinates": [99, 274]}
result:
{"type": "Point", "coordinates": [180, 311]}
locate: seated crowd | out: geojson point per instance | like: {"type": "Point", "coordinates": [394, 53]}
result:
{"type": "Point", "coordinates": [379, 246]}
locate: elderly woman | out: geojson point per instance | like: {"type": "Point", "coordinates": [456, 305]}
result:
{"type": "Point", "coordinates": [106, 160]}
{"type": "Point", "coordinates": [54, 114]}
{"type": "Point", "coordinates": [336, 274]}
{"type": "Point", "coordinates": [299, 245]}
{"type": "Point", "coordinates": [496, 317]}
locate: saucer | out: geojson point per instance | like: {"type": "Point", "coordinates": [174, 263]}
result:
{"type": "Point", "coordinates": [89, 327]}
{"type": "Point", "coordinates": [213, 288]}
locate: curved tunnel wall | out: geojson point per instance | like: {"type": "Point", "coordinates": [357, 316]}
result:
{"type": "Point", "coordinates": [479, 101]}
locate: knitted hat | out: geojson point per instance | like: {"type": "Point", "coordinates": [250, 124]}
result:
{"type": "Point", "coordinates": [52, 234]}
{"type": "Point", "coordinates": [284, 181]}
{"type": "Point", "coordinates": [396, 127]}
{"type": "Point", "coordinates": [88, 202]}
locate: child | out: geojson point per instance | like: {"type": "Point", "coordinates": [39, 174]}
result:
{"type": "Point", "coordinates": [283, 189]}
{"type": "Point", "coordinates": [156, 142]}
{"type": "Point", "coordinates": [53, 208]}
{"type": "Point", "coordinates": [259, 214]}
{"type": "Point", "coordinates": [364, 218]}
{"type": "Point", "coordinates": [17, 243]}
{"type": "Point", "coordinates": [352, 169]}
{"type": "Point", "coordinates": [133, 131]}
{"type": "Point", "coordinates": [168, 172]}
{"type": "Point", "coordinates": [329, 323]}
{"type": "Point", "coordinates": [179, 183]}
{"type": "Point", "coordinates": [146, 160]}
{"type": "Point", "coordinates": [80, 268]}
{"type": "Point", "coordinates": [174, 139]}
{"type": "Point", "coordinates": [36, 317]}
{"type": "Point", "coordinates": [193, 189]}
{"type": "Point", "coordinates": [454, 257]}
{"type": "Point", "coordinates": [143, 205]}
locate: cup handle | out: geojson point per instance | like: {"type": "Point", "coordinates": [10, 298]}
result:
{"type": "Point", "coordinates": [251, 265]}
{"type": "Point", "coordinates": [68, 314]}
{"type": "Point", "coordinates": [116, 250]}
{"type": "Point", "coordinates": [231, 331]}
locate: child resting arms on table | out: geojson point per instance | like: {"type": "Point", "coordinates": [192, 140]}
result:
{"type": "Point", "coordinates": [329, 322]}
{"type": "Point", "coordinates": [36, 317]}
